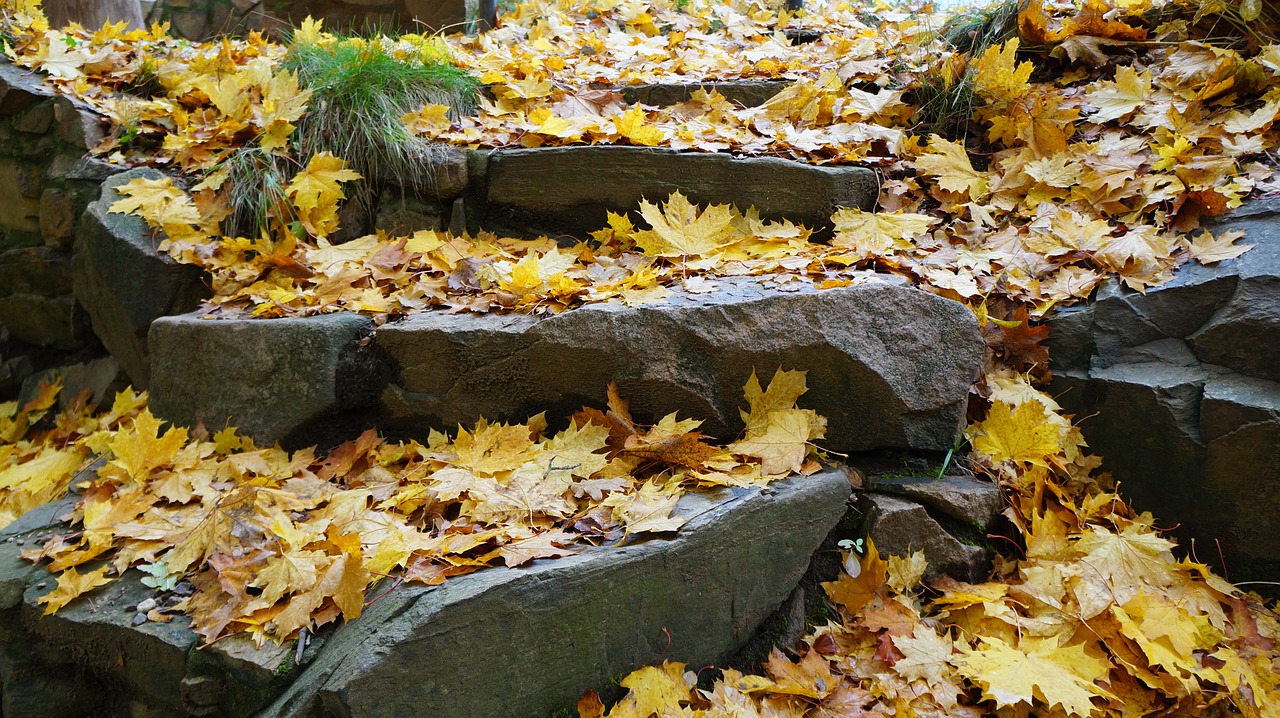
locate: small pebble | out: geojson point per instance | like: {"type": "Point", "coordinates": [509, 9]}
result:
{"type": "Point", "coordinates": [184, 588]}
{"type": "Point", "coordinates": [42, 584]}
{"type": "Point", "coordinates": [139, 619]}
{"type": "Point", "coordinates": [146, 605]}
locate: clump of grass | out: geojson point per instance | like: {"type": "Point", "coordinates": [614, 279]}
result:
{"type": "Point", "coordinates": [255, 182]}
{"type": "Point", "coordinates": [944, 97]}
{"type": "Point", "coordinates": [361, 88]}
{"type": "Point", "coordinates": [975, 30]}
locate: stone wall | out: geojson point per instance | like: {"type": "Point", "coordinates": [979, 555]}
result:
{"type": "Point", "coordinates": [46, 181]}
{"type": "Point", "coordinates": [199, 19]}
{"type": "Point", "coordinates": [1178, 389]}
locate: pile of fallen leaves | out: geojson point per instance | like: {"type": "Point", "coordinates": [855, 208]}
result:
{"type": "Point", "coordinates": [1097, 138]}
{"type": "Point", "coordinates": [1093, 616]}
{"type": "Point", "coordinates": [275, 542]}
{"type": "Point", "coordinates": [42, 449]}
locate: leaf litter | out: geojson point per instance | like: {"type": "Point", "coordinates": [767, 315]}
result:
{"type": "Point", "coordinates": [1098, 139]}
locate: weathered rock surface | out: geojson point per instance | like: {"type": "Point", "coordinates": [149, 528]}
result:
{"type": "Point", "coordinates": [889, 366]}
{"type": "Point", "coordinates": [562, 189]}
{"type": "Point", "coordinates": [963, 498]}
{"type": "Point", "coordinates": [747, 93]}
{"type": "Point", "coordinates": [558, 626]}
{"type": "Point", "coordinates": [91, 659]}
{"type": "Point", "coordinates": [900, 527]}
{"type": "Point", "coordinates": [551, 628]}
{"type": "Point", "coordinates": [124, 284]}
{"type": "Point", "coordinates": [268, 378]}
{"type": "Point", "coordinates": [101, 378]}
{"type": "Point", "coordinates": [1177, 390]}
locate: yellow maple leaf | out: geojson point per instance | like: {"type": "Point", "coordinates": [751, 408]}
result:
{"type": "Point", "coordinates": [634, 126]}
{"type": "Point", "coordinates": [431, 121]}
{"type": "Point", "coordinates": [997, 75]}
{"type": "Point", "coordinates": [682, 229]}
{"type": "Point", "coordinates": [142, 447]}
{"type": "Point", "coordinates": [1022, 434]}
{"type": "Point", "coordinates": [658, 690]}
{"type": "Point", "coordinates": [71, 584]}
{"type": "Point", "coordinates": [1207, 249]}
{"type": "Point", "coordinates": [1117, 100]}
{"type": "Point", "coordinates": [877, 234]}
{"type": "Point", "coordinates": [949, 163]}
{"type": "Point", "coordinates": [925, 654]}
{"type": "Point", "coordinates": [161, 204]}
{"type": "Point", "coordinates": [1036, 670]}
{"type": "Point", "coordinates": [853, 592]}
{"type": "Point", "coordinates": [317, 190]}
{"type": "Point", "coordinates": [649, 509]}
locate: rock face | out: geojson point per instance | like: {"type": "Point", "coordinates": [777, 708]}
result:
{"type": "Point", "coordinates": [124, 284]}
{"type": "Point", "coordinates": [571, 188]}
{"type": "Point", "coordinates": [560, 625]}
{"type": "Point", "coordinates": [889, 366]}
{"type": "Point", "coordinates": [268, 378]}
{"type": "Point", "coordinates": [1179, 393]}
{"type": "Point", "coordinates": [900, 528]}
{"type": "Point", "coordinates": [747, 93]}
{"type": "Point", "coordinates": [510, 642]}
{"type": "Point", "coordinates": [92, 658]}
{"type": "Point", "coordinates": [44, 189]}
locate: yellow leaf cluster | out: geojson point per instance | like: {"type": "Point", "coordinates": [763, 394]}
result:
{"type": "Point", "coordinates": [276, 542]}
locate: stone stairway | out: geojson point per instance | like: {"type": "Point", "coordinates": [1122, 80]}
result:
{"type": "Point", "coordinates": [890, 366]}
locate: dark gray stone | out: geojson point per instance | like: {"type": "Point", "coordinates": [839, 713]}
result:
{"type": "Point", "coordinates": [900, 528]}
{"type": "Point", "coordinates": [400, 215]}
{"type": "Point", "coordinates": [1245, 334]}
{"type": "Point", "coordinates": [966, 499]}
{"type": "Point", "coordinates": [1070, 341]}
{"type": "Point", "coordinates": [101, 378]}
{"type": "Point", "coordinates": [1176, 390]}
{"type": "Point", "coordinates": [19, 88]}
{"type": "Point", "coordinates": [447, 174]}
{"type": "Point", "coordinates": [78, 125]}
{"type": "Point", "coordinates": [77, 167]}
{"type": "Point", "coordinates": [549, 629]}
{"type": "Point", "coordinates": [570, 188]}
{"type": "Point", "coordinates": [40, 320]}
{"type": "Point", "coordinates": [124, 284]}
{"type": "Point", "coordinates": [746, 93]}
{"type": "Point", "coordinates": [888, 366]}
{"type": "Point", "coordinates": [57, 218]}
{"type": "Point", "coordinates": [36, 120]}
{"type": "Point", "coordinates": [266, 377]}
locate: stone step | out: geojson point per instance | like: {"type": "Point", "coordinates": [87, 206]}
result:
{"type": "Point", "coordinates": [503, 641]}
{"type": "Point", "coordinates": [560, 190]}
{"type": "Point", "coordinates": [1178, 389]}
{"type": "Point", "coordinates": [888, 365]}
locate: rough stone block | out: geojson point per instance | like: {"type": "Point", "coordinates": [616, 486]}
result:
{"type": "Point", "coordinates": [124, 284]}
{"type": "Point", "coordinates": [572, 188]}
{"type": "Point", "coordinates": [966, 499]}
{"type": "Point", "coordinates": [900, 528]}
{"type": "Point", "coordinates": [57, 218]}
{"type": "Point", "coordinates": [268, 377]}
{"type": "Point", "coordinates": [746, 93]}
{"type": "Point", "coordinates": [19, 212]}
{"type": "Point", "coordinates": [558, 626]}
{"type": "Point", "coordinates": [889, 366]}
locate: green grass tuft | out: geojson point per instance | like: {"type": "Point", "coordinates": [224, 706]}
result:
{"type": "Point", "coordinates": [360, 92]}
{"type": "Point", "coordinates": [257, 181]}
{"type": "Point", "coordinates": [945, 99]}
{"type": "Point", "coordinates": [975, 30]}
